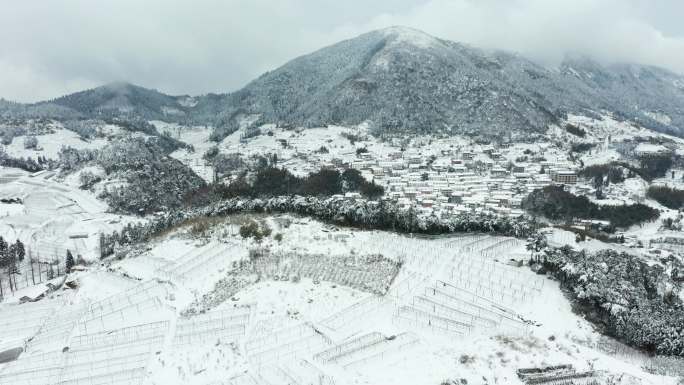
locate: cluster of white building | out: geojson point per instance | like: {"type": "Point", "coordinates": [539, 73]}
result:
{"type": "Point", "coordinates": [454, 183]}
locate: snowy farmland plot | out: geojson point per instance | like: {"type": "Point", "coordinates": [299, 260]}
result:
{"type": "Point", "coordinates": [51, 217]}
{"type": "Point", "coordinates": [318, 305]}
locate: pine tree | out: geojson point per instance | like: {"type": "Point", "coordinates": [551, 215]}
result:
{"type": "Point", "coordinates": [3, 252]}
{"type": "Point", "coordinates": [21, 250]}
{"type": "Point", "coordinates": [11, 262]}
{"type": "Point", "coordinates": [69, 261]}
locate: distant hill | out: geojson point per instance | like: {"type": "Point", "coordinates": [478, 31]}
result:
{"type": "Point", "coordinates": [403, 80]}
{"type": "Point", "coordinates": [111, 100]}
{"type": "Point", "coordinates": [123, 98]}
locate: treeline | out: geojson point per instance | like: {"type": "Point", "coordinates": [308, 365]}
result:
{"type": "Point", "coordinates": [612, 173]}
{"type": "Point", "coordinates": [11, 254]}
{"type": "Point", "coordinates": [26, 164]}
{"type": "Point", "coordinates": [357, 213]}
{"type": "Point", "coordinates": [575, 130]}
{"type": "Point", "coordinates": [648, 168]}
{"type": "Point", "coordinates": [667, 196]}
{"type": "Point", "coordinates": [652, 167]}
{"type": "Point", "coordinates": [555, 203]}
{"type": "Point", "coordinates": [622, 294]}
{"type": "Point", "coordinates": [270, 181]}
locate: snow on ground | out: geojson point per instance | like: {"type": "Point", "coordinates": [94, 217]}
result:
{"type": "Point", "coordinates": [52, 216]}
{"type": "Point", "coordinates": [301, 301]}
{"type": "Point", "coordinates": [607, 125]}
{"type": "Point", "coordinates": [668, 180]}
{"type": "Point", "coordinates": [198, 137]}
{"type": "Point", "coordinates": [199, 309]}
{"type": "Point", "coordinates": [50, 144]}
{"type": "Point", "coordinates": [247, 328]}
{"type": "Point", "coordinates": [559, 238]}
{"type": "Point", "coordinates": [297, 150]}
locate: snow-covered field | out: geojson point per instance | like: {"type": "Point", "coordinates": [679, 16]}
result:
{"type": "Point", "coordinates": [53, 216]}
{"type": "Point", "coordinates": [198, 137]}
{"type": "Point", "coordinates": [50, 144]}
{"type": "Point", "coordinates": [201, 309]}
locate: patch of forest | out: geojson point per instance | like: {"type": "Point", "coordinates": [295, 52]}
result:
{"type": "Point", "coordinates": [626, 297]}
{"type": "Point", "coordinates": [151, 181]}
{"type": "Point", "coordinates": [555, 203]}
{"type": "Point", "coordinates": [667, 196]}
{"type": "Point", "coordinates": [647, 167]}
{"type": "Point", "coordinates": [269, 181]}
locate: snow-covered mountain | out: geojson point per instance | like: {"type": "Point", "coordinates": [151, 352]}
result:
{"type": "Point", "coordinates": [123, 98]}
{"type": "Point", "coordinates": [401, 79]}
{"type": "Point", "coordinates": [118, 99]}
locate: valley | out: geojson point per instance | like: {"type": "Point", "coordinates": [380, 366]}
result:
{"type": "Point", "coordinates": [392, 209]}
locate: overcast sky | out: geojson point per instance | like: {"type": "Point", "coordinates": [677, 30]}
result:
{"type": "Point", "coordinates": [50, 48]}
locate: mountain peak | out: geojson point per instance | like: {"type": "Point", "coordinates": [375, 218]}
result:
{"type": "Point", "coordinates": [412, 36]}
{"type": "Point", "coordinates": [119, 87]}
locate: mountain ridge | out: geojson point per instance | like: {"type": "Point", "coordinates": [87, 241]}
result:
{"type": "Point", "coordinates": [401, 79]}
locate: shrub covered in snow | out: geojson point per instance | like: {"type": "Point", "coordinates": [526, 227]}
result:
{"type": "Point", "coordinates": [87, 179]}
{"type": "Point", "coordinates": [30, 142]}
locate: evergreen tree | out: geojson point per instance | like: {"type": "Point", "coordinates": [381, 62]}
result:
{"type": "Point", "coordinates": [69, 261]}
{"type": "Point", "coordinates": [598, 185]}
{"type": "Point", "coordinates": [21, 250]}
{"type": "Point", "coordinates": [11, 263]}
{"type": "Point", "coordinates": [3, 252]}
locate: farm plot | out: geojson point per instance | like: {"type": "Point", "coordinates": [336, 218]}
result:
{"type": "Point", "coordinates": [301, 372]}
{"type": "Point", "coordinates": [365, 349]}
{"type": "Point", "coordinates": [351, 315]}
{"type": "Point", "coordinates": [21, 322]}
{"type": "Point", "coordinates": [55, 332]}
{"type": "Point", "coordinates": [35, 369]}
{"type": "Point", "coordinates": [371, 273]}
{"type": "Point", "coordinates": [291, 343]}
{"type": "Point", "coordinates": [55, 218]}
{"type": "Point", "coordinates": [116, 357]}
{"type": "Point", "coordinates": [200, 262]}
{"type": "Point", "coordinates": [224, 326]}
{"type": "Point", "coordinates": [456, 286]}
{"type": "Point", "coordinates": [125, 308]}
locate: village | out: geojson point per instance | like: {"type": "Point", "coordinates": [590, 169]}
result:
{"type": "Point", "coordinates": [448, 176]}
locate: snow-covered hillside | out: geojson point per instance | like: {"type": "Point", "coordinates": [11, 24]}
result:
{"type": "Point", "coordinates": [206, 312]}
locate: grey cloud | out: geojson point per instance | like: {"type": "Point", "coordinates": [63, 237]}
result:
{"type": "Point", "coordinates": [179, 46]}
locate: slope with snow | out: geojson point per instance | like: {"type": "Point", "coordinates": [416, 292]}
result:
{"type": "Point", "coordinates": [456, 311]}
